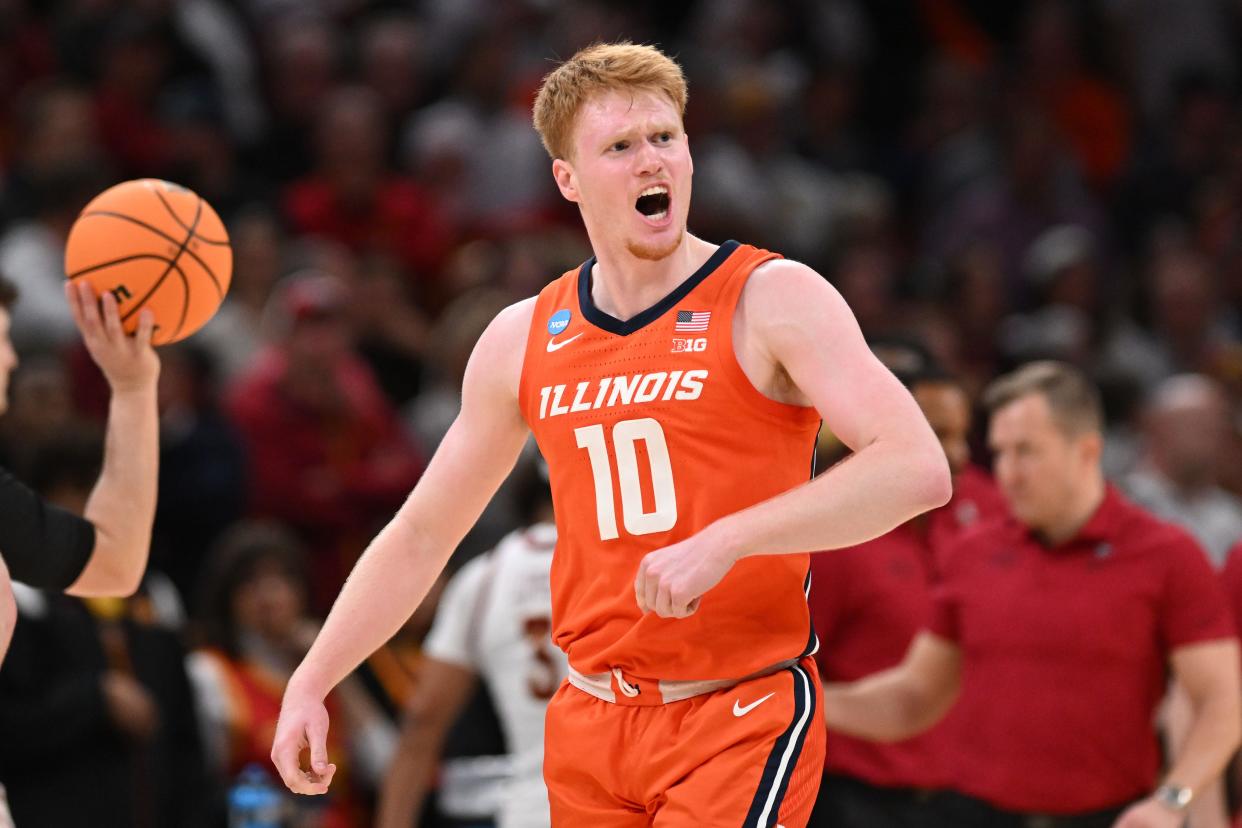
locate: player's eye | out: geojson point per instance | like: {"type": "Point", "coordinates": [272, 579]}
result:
{"type": "Point", "coordinates": [664, 137]}
{"type": "Point", "coordinates": [620, 146]}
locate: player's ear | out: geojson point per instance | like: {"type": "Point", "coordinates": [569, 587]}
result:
{"type": "Point", "coordinates": [566, 181]}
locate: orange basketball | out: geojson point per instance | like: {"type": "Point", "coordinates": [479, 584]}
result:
{"type": "Point", "coordinates": [153, 244]}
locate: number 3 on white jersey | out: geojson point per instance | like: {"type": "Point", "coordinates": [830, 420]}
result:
{"type": "Point", "coordinates": [624, 435]}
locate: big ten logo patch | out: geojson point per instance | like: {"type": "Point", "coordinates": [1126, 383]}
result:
{"type": "Point", "coordinates": [697, 345]}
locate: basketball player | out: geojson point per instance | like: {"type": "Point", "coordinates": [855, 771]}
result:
{"type": "Point", "coordinates": [105, 551]}
{"type": "Point", "coordinates": [494, 623]}
{"type": "Point", "coordinates": [676, 388]}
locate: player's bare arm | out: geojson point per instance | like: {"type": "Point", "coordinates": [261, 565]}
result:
{"type": "Point", "coordinates": [442, 692]}
{"type": "Point", "coordinates": [8, 610]}
{"type": "Point", "coordinates": [1208, 672]}
{"type": "Point", "coordinates": [902, 701]}
{"type": "Point", "coordinates": [799, 343]}
{"type": "Point", "coordinates": [405, 558]}
{"type": "Point", "coordinates": [122, 505]}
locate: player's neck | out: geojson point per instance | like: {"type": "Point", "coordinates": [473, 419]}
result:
{"type": "Point", "coordinates": [623, 285]}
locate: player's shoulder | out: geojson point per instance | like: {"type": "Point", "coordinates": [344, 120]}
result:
{"type": "Point", "coordinates": [779, 288]}
{"type": "Point", "coordinates": [498, 355]}
{"type": "Point", "coordinates": [513, 322]}
{"type": "Point", "coordinates": [783, 274]}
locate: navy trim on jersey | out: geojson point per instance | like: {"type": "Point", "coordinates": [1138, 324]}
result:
{"type": "Point", "coordinates": [765, 808]}
{"type": "Point", "coordinates": [812, 642]}
{"type": "Point", "coordinates": [815, 449]}
{"type": "Point", "coordinates": [611, 324]}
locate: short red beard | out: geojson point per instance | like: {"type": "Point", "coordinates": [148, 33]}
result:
{"type": "Point", "coordinates": [651, 253]}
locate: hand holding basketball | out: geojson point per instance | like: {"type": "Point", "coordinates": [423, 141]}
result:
{"type": "Point", "coordinates": [153, 245]}
{"type": "Point", "coordinates": [127, 362]}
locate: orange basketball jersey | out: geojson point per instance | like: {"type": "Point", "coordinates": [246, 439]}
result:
{"type": "Point", "coordinates": [651, 432]}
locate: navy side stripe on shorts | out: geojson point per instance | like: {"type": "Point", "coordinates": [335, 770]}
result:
{"type": "Point", "coordinates": [766, 806]}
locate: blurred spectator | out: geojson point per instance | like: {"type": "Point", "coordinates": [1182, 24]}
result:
{"type": "Point", "coordinates": [495, 625]}
{"type": "Point", "coordinates": [135, 53]}
{"type": "Point", "coordinates": [391, 58]}
{"type": "Point", "coordinates": [1177, 153]}
{"type": "Point", "coordinates": [1189, 329]}
{"type": "Point", "coordinates": [953, 145]}
{"type": "Point", "coordinates": [1061, 268]}
{"type": "Point", "coordinates": [751, 182]}
{"type": "Point", "coordinates": [1160, 39]}
{"type": "Point", "coordinates": [58, 171]}
{"type": "Point", "coordinates": [1187, 423]}
{"type": "Point", "coordinates": [973, 293]}
{"type": "Point", "coordinates": [203, 471]}
{"type": "Point", "coordinates": [301, 62]}
{"type": "Point", "coordinates": [327, 453]}
{"type": "Point", "coordinates": [451, 342]}
{"type": "Point", "coordinates": [390, 328]}
{"type": "Point", "coordinates": [867, 278]}
{"type": "Point", "coordinates": [1089, 112]}
{"type": "Point", "coordinates": [352, 195]}
{"type": "Point", "coordinates": [1038, 620]}
{"type": "Point", "coordinates": [40, 407]}
{"type": "Point", "coordinates": [94, 696]}
{"type": "Point", "coordinates": [257, 626]}
{"type": "Point", "coordinates": [1231, 577]}
{"type": "Point", "coordinates": [481, 132]}
{"type": "Point", "coordinates": [433, 411]}
{"type": "Point", "coordinates": [216, 30]}
{"type": "Point", "coordinates": [235, 334]}
{"type": "Point", "coordinates": [868, 602]}
{"type": "Point", "coordinates": [201, 154]}
{"type": "Point", "coordinates": [1039, 188]}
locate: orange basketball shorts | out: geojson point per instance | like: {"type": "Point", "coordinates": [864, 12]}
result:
{"type": "Point", "coordinates": [749, 755]}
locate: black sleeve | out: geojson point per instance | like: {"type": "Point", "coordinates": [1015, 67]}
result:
{"type": "Point", "coordinates": [42, 545]}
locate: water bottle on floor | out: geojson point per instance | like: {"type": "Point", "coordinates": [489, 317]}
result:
{"type": "Point", "coordinates": [255, 801]}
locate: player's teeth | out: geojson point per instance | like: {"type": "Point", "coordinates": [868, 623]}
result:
{"type": "Point", "coordinates": [658, 216]}
{"type": "Point", "coordinates": [653, 191]}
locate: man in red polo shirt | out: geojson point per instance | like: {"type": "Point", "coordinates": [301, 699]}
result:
{"type": "Point", "coordinates": [1062, 624]}
{"type": "Point", "coordinates": [869, 601]}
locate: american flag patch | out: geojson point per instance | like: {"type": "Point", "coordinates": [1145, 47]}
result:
{"type": "Point", "coordinates": [689, 321]}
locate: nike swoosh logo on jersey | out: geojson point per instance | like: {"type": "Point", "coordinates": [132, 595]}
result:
{"type": "Point", "coordinates": [740, 711]}
{"type": "Point", "coordinates": [556, 346]}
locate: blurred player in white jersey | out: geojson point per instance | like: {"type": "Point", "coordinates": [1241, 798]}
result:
{"type": "Point", "coordinates": [494, 623]}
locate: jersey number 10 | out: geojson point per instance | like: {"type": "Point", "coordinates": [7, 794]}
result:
{"type": "Point", "coordinates": [625, 435]}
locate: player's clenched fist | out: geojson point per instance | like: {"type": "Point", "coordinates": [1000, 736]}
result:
{"type": "Point", "coordinates": [303, 724]}
{"type": "Point", "coordinates": [671, 580]}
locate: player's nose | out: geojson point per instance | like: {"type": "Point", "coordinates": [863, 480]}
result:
{"type": "Point", "coordinates": [648, 161]}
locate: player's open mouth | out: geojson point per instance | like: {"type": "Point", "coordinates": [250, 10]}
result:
{"type": "Point", "coordinates": [653, 203]}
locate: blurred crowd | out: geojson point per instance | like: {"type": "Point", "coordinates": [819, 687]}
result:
{"type": "Point", "coordinates": [1001, 181]}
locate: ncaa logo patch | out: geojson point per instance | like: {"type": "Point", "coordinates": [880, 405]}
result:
{"type": "Point", "coordinates": [559, 321]}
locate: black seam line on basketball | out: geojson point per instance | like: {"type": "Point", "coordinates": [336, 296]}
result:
{"type": "Point", "coordinates": [122, 260]}
{"type": "Point", "coordinates": [157, 231]}
{"type": "Point", "coordinates": [177, 219]}
{"type": "Point", "coordinates": [171, 264]}
{"type": "Point", "coordinates": [185, 304]}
